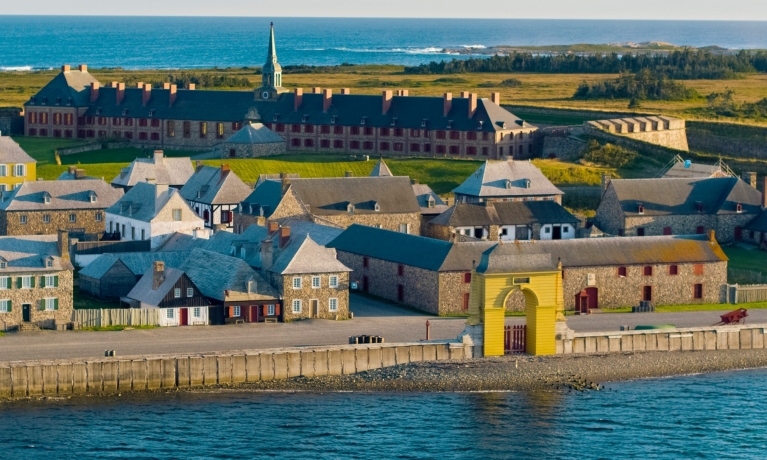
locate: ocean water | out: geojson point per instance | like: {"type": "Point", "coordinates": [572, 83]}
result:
{"type": "Point", "coordinates": [34, 42]}
{"type": "Point", "coordinates": [716, 416]}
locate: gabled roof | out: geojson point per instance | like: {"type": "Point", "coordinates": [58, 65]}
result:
{"type": "Point", "coordinates": [592, 252]}
{"type": "Point", "coordinates": [136, 262]}
{"type": "Point", "coordinates": [215, 273]}
{"type": "Point", "coordinates": [304, 255]}
{"type": "Point", "coordinates": [143, 203]}
{"type": "Point", "coordinates": [718, 195]}
{"type": "Point", "coordinates": [694, 170]}
{"type": "Point", "coordinates": [216, 186]}
{"type": "Point", "coordinates": [11, 152]}
{"type": "Point", "coordinates": [64, 195]}
{"type": "Point", "coordinates": [505, 213]}
{"type": "Point", "coordinates": [30, 253]}
{"type": "Point", "coordinates": [327, 196]}
{"type": "Point", "coordinates": [255, 133]}
{"type": "Point", "coordinates": [143, 290]}
{"type": "Point", "coordinates": [73, 84]}
{"type": "Point", "coordinates": [423, 193]}
{"type": "Point", "coordinates": [507, 179]}
{"type": "Point", "coordinates": [263, 200]}
{"type": "Point", "coordinates": [380, 169]}
{"type": "Point", "coordinates": [275, 177]}
{"type": "Point", "coordinates": [164, 170]}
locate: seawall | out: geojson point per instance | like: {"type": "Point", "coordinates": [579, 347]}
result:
{"type": "Point", "coordinates": [126, 374]}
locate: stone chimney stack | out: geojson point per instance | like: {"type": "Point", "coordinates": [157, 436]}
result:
{"type": "Point", "coordinates": [448, 104]}
{"type": "Point", "coordinates": [224, 170]}
{"type": "Point", "coordinates": [298, 98]}
{"type": "Point", "coordinates": [166, 85]}
{"type": "Point", "coordinates": [65, 68]}
{"type": "Point", "coordinates": [285, 180]}
{"type": "Point", "coordinates": [605, 181]}
{"type": "Point", "coordinates": [172, 97]}
{"type": "Point", "coordinates": [403, 92]}
{"type": "Point", "coordinates": [472, 104]}
{"type": "Point", "coordinates": [386, 98]}
{"type": "Point", "coordinates": [267, 254]}
{"type": "Point", "coordinates": [157, 157]}
{"type": "Point", "coordinates": [464, 94]}
{"type": "Point", "coordinates": [63, 244]}
{"type": "Point", "coordinates": [94, 91]}
{"type": "Point", "coordinates": [284, 236]}
{"type": "Point", "coordinates": [140, 85]}
{"type": "Point", "coordinates": [158, 274]}
{"type": "Point", "coordinates": [146, 94]}
{"type": "Point", "coordinates": [750, 178]}
{"type": "Point", "coordinates": [273, 227]}
{"type": "Point", "coordinates": [345, 91]}
{"type": "Point", "coordinates": [83, 68]}
{"type": "Point", "coordinates": [316, 90]}
{"type": "Point", "coordinates": [495, 98]}
{"type": "Point", "coordinates": [120, 93]}
{"type": "Point", "coordinates": [192, 87]}
{"type": "Point", "coordinates": [327, 99]}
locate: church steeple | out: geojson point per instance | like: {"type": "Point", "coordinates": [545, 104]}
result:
{"type": "Point", "coordinates": [271, 73]}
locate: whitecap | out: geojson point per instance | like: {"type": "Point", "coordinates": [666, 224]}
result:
{"type": "Point", "coordinates": [24, 68]}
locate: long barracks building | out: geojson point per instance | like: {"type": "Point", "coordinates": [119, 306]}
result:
{"type": "Point", "coordinates": [75, 105]}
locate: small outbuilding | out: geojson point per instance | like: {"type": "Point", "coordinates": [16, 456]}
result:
{"type": "Point", "coordinates": [251, 141]}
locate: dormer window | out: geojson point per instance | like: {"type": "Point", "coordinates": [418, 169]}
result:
{"type": "Point", "coordinates": [431, 203]}
{"type": "Point", "coordinates": [92, 197]}
{"type": "Point", "coordinates": [32, 100]}
{"type": "Point", "coordinates": [699, 206]}
{"type": "Point", "coordinates": [362, 122]}
{"type": "Point", "coordinates": [502, 124]}
{"type": "Point", "coordinates": [333, 120]}
{"type": "Point", "coordinates": [394, 121]}
{"type": "Point", "coordinates": [528, 184]}
{"type": "Point", "coordinates": [199, 193]}
{"type": "Point", "coordinates": [350, 208]}
{"type": "Point", "coordinates": [640, 208]}
{"type": "Point", "coordinates": [480, 125]}
{"type": "Point", "coordinates": [449, 124]}
{"type": "Point", "coordinates": [507, 184]}
{"type": "Point", "coordinates": [69, 101]}
{"type": "Point", "coordinates": [46, 198]}
{"type": "Point", "coordinates": [98, 110]}
{"type": "Point", "coordinates": [738, 208]}
{"type": "Point", "coordinates": [423, 123]}
{"type": "Point", "coordinates": [274, 118]}
{"type": "Point", "coordinates": [58, 101]}
{"type": "Point", "coordinates": [251, 286]}
{"type": "Point", "coordinates": [151, 112]}
{"type": "Point", "coordinates": [45, 99]}
{"type": "Point", "coordinates": [304, 118]}
{"type": "Point", "coordinates": [377, 207]}
{"type": "Point", "coordinates": [3, 264]}
{"type": "Point", "coordinates": [125, 112]}
{"type": "Point", "coordinates": [49, 262]}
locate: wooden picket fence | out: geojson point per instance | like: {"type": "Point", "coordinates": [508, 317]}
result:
{"type": "Point", "coordinates": [748, 293]}
{"type": "Point", "coordinates": [117, 317]}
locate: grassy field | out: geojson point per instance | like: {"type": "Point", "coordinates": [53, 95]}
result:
{"type": "Point", "coordinates": [693, 307]}
{"type": "Point", "coordinates": [550, 90]}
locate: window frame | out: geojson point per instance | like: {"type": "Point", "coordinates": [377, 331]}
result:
{"type": "Point", "coordinates": [316, 282]}
{"type": "Point", "coordinates": [333, 304]}
{"type": "Point", "coordinates": [176, 293]}
{"type": "Point", "coordinates": [294, 303]}
{"type": "Point", "coordinates": [297, 282]}
{"type": "Point", "coordinates": [236, 311]}
{"type": "Point", "coordinates": [333, 281]}
{"type": "Point", "coordinates": [189, 292]}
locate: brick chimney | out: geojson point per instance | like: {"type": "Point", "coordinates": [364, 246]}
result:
{"type": "Point", "coordinates": [402, 92]}
{"type": "Point", "coordinates": [345, 91]}
{"type": "Point", "coordinates": [113, 84]}
{"type": "Point", "coordinates": [192, 87]}
{"type": "Point", "coordinates": [146, 94]}
{"type": "Point", "coordinates": [605, 181]}
{"type": "Point", "coordinates": [140, 85]}
{"type": "Point", "coordinates": [316, 90]}
{"type": "Point", "coordinates": [472, 104]}
{"type": "Point", "coordinates": [386, 97]}
{"type": "Point", "coordinates": [120, 93]}
{"type": "Point", "coordinates": [166, 85]}
{"type": "Point", "coordinates": [94, 91]}
{"type": "Point", "coordinates": [750, 178]}
{"type": "Point", "coordinates": [83, 68]}
{"type": "Point", "coordinates": [464, 94]}
{"type": "Point", "coordinates": [495, 98]}
{"type": "Point", "coordinates": [327, 99]}
{"type": "Point", "coordinates": [157, 157]}
{"type": "Point", "coordinates": [158, 274]}
{"type": "Point", "coordinates": [712, 236]}
{"type": "Point", "coordinates": [79, 174]}
{"type": "Point", "coordinates": [448, 104]}
{"type": "Point", "coordinates": [298, 98]}
{"type": "Point", "coordinates": [273, 227]}
{"type": "Point", "coordinates": [65, 68]}
{"type": "Point", "coordinates": [63, 244]}
{"type": "Point", "coordinates": [172, 97]}
{"type": "Point", "coordinates": [224, 170]}
{"type": "Point", "coordinates": [267, 254]}
{"type": "Point", "coordinates": [764, 193]}
{"type": "Point", "coordinates": [284, 236]}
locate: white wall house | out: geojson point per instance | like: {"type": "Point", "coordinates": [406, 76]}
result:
{"type": "Point", "coordinates": [193, 316]}
{"type": "Point", "coordinates": [557, 232]}
{"type": "Point", "coordinates": [153, 212]}
{"type": "Point", "coordinates": [214, 194]}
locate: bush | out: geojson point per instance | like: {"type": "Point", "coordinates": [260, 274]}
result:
{"type": "Point", "coordinates": [609, 155]}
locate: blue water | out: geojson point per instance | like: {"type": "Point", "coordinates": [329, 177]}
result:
{"type": "Point", "coordinates": [704, 416]}
{"type": "Point", "coordinates": [189, 42]}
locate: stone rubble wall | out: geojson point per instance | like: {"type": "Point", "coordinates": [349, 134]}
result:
{"type": "Point", "coordinates": [108, 376]}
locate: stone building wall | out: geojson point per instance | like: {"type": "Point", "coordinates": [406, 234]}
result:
{"type": "Point", "coordinates": [251, 150]}
{"type": "Point", "coordinates": [33, 297]}
{"type": "Point", "coordinates": [615, 291]}
{"type": "Point", "coordinates": [290, 206]}
{"type": "Point", "coordinates": [306, 294]}
{"type": "Point", "coordinates": [420, 287]}
{"type": "Point", "coordinates": [384, 220]}
{"type": "Point", "coordinates": [609, 216]}
{"type": "Point", "coordinates": [438, 232]}
{"type": "Point", "coordinates": [10, 222]}
{"type": "Point", "coordinates": [242, 221]}
{"type": "Point", "coordinates": [452, 289]}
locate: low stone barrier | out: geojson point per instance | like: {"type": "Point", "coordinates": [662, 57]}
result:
{"type": "Point", "coordinates": [738, 337]}
{"type": "Point", "coordinates": [142, 373]}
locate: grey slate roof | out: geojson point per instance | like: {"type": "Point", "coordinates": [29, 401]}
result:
{"type": "Point", "coordinates": [327, 196]}
{"type": "Point", "coordinates": [505, 213]}
{"type": "Point", "coordinates": [164, 170]}
{"type": "Point", "coordinates": [65, 195]}
{"type": "Point", "coordinates": [695, 170]}
{"type": "Point", "coordinates": [380, 169]}
{"type": "Point", "coordinates": [137, 262]}
{"type": "Point", "coordinates": [264, 199]}
{"type": "Point", "coordinates": [591, 252]}
{"type": "Point", "coordinates": [274, 177]}
{"type": "Point", "coordinates": [30, 253]}
{"type": "Point", "coordinates": [216, 186]}
{"type": "Point", "coordinates": [143, 291]}
{"type": "Point", "coordinates": [422, 193]}
{"type": "Point", "coordinates": [73, 84]}
{"type": "Point", "coordinates": [255, 133]}
{"type": "Point", "coordinates": [11, 152]}
{"type": "Point", "coordinates": [719, 195]}
{"type": "Point", "coordinates": [304, 255]}
{"type": "Point", "coordinates": [142, 203]}
{"type": "Point", "coordinates": [507, 178]}
{"type": "Point", "coordinates": [215, 273]}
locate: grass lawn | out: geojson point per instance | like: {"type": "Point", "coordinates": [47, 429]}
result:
{"type": "Point", "coordinates": [749, 259]}
{"type": "Point", "coordinates": [693, 307]}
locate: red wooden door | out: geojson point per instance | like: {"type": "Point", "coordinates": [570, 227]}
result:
{"type": "Point", "coordinates": [253, 314]}
{"type": "Point", "coordinates": [593, 295]}
{"type": "Point", "coordinates": [184, 320]}
{"type": "Point", "coordinates": [647, 293]}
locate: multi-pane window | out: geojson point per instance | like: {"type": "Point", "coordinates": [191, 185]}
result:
{"type": "Point", "coordinates": [72, 217]}
{"type": "Point", "coordinates": [315, 282]}
{"type": "Point", "coordinates": [5, 306]}
{"type": "Point", "coordinates": [196, 312]}
{"type": "Point", "coordinates": [46, 218]}
{"type": "Point", "coordinates": [177, 293]}
{"type": "Point", "coordinates": [296, 306]}
{"type": "Point", "coordinates": [647, 270]}
{"type": "Point", "coordinates": [203, 129]}
{"type": "Point", "coordinates": [177, 215]}
{"type": "Point", "coordinates": [333, 281]}
{"type": "Point", "coordinates": [219, 130]}
{"type": "Point", "coordinates": [190, 292]}
{"type": "Point", "coordinates": [20, 170]}
{"type": "Point", "coordinates": [236, 310]}
{"type": "Point", "coordinates": [297, 282]}
{"type": "Point", "coordinates": [5, 282]}
{"type": "Point", "coordinates": [27, 282]}
{"type": "Point", "coordinates": [697, 291]}
{"type": "Point", "coordinates": [187, 129]}
{"type": "Point", "coordinates": [50, 304]}
{"type": "Point", "coordinates": [99, 216]}
{"type": "Point", "coordinates": [270, 310]}
{"type": "Point", "coordinates": [50, 281]}
{"type": "Point", "coordinates": [333, 304]}
{"type": "Point", "coordinates": [169, 313]}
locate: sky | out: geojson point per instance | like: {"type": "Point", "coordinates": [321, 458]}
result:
{"type": "Point", "coordinates": [753, 10]}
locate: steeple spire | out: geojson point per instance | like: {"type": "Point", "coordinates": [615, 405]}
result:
{"type": "Point", "coordinates": [271, 56]}
{"type": "Point", "coordinates": [271, 73]}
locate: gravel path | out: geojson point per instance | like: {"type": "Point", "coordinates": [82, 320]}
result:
{"type": "Point", "coordinates": [571, 373]}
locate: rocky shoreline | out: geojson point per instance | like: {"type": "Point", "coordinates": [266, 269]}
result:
{"type": "Point", "coordinates": [519, 373]}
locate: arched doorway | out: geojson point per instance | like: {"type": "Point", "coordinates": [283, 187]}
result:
{"type": "Point", "coordinates": [586, 300]}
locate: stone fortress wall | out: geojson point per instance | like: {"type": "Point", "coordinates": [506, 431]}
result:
{"type": "Point", "coordinates": [665, 131]}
